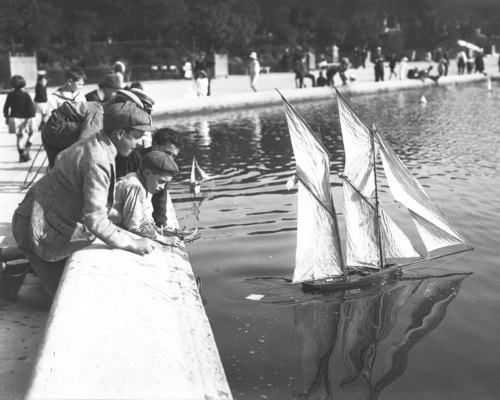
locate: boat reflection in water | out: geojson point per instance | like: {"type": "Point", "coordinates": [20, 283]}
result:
{"type": "Point", "coordinates": [356, 346]}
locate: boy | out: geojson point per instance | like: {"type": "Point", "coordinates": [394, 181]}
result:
{"type": "Point", "coordinates": [68, 207]}
{"type": "Point", "coordinates": [19, 111]}
{"type": "Point", "coordinates": [106, 89]}
{"type": "Point", "coordinates": [70, 91]}
{"type": "Point", "coordinates": [41, 99]}
{"type": "Point", "coordinates": [132, 208]}
{"type": "Point", "coordinates": [165, 140]}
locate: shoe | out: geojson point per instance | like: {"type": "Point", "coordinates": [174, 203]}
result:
{"type": "Point", "coordinates": [22, 157]}
{"type": "Point", "coordinates": [26, 152]}
{"type": "Point", "coordinates": [26, 155]}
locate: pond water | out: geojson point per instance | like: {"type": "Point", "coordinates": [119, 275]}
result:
{"type": "Point", "coordinates": [434, 338]}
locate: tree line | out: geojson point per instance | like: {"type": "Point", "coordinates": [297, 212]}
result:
{"type": "Point", "coordinates": [71, 27]}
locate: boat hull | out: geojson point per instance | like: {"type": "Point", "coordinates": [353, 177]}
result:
{"type": "Point", "coordinates": [353, 281]}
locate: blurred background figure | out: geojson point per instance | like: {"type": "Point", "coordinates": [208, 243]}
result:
{"type": "Point", "coordinates": [41, 98]}
{"type": "Point", "coordinates": [19, 111]}
{"type": "Point", "coordinates": [253, 70]}
{"type": "Point", "coordinates": [106, 89]}
{"type": "Point", "coordinates": [70, 91]}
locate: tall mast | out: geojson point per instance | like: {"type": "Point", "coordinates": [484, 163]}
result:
{"type": "Point", "coordinates": [377, 214]}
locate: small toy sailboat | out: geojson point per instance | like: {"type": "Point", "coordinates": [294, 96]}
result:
{"type": "Point", "coordinates": [375, 245]}
{"type": "Point", "coordinates": [196, 184]}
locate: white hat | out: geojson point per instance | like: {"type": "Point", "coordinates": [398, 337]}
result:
{"type": "Point", "coordinates": [253, 54]}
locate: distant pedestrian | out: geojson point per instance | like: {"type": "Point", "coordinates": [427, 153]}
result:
{"type": "Point", "coordinates": [378, 61]}
{"type": "Point", "coordinates": [461, 62]}
{"type": "Point", "coordinates": [392, 66]}
{"type": "Point", "coordinates": [203, 70]}
{"type": "Point", "coordinates": [19, 111]}
{"type": "Point", "coordinates": [479, 62]}
{"type": "Point", "coordinates": [41, 99]}
{"type": "Point", "coordinates": [364, 54]}
{"type": "Point", "coordinates": [70, 92]}
{"type": "Point", "coordinates": [403, 68]}
{"type": "Point", "coordinates": [187, 69]}
{"type": "Point", "coordinates": [470, 64]}
{"type": "Point", "coordinates": [106, 89]}
{"type": "Point", "coordinates": [120, 69]}
{"type": "Point", "coordinates": [442, 66]}
{"type": "Point", "coordinates": [253, 70]}
{"type": "Point", "coordinates": [447, 64]}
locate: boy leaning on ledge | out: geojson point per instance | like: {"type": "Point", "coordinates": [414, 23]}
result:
{"type": "Point", "coordinates": [132, 208]}
{"type": "Point", "coordinates": [68, 208]}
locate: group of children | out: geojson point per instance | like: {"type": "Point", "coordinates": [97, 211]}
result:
{"type": "Point", "coordinates": [100, 185]}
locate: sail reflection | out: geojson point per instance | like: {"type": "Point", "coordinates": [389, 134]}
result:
{"type": "Point", "coordinates": [355, 347]}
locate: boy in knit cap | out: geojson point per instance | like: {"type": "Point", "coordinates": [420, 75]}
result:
{"type": "Point", "coordinates": [132, 208]}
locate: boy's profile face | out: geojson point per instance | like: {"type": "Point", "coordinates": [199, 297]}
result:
{"type": "Point", "coordinates": [75, 85]}
{"type": "Point", "coordinates": [169, 149]}
{"type": "Point", "coordinates": [126, 140]}
{"type": "Point", "coordinates": [156, 181]}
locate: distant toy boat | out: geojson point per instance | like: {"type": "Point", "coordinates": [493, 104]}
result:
{"type": "Point", "coordinates": [194, 183]}
{"type": "Point", "coordinates": [375, 246]}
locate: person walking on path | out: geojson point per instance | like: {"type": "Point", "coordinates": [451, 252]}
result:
{"type": "Point", "coordinates": [253, 70]}
{"type": "Point", "coordinates": [479, 62]}
{"type": "Point", "coordinates": [378, 62]}
{"type": "Point", "coordinates": [106, 89]}
{"type": "Point", "coordinates": [68, 208]}
{"type": "Point", "coordinates": [392, 66]}
{"type": "Point", "coordinates": [203, 69]}
{"type": "Point", "coordinates": [70, 91]}
{"type": "Point", "coordinates": [19, 111]}
{"type": "Point", "coordinates": [461, 62]}
{"type": "Point", "coordinates": [41, 99]}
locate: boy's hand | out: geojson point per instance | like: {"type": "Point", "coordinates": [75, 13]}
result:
{"type": "Point", "coordinates": [142, 246]}
{"type": "Point", "coordinates": [173, 241]}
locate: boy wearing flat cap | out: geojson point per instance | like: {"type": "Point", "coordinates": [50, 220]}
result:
{"type": "Point", "coordinates": [132, 208]}
{"type": "Point", "coordinates": [68, 208]}
{"type": "Point", "coordinates": [107, 89]}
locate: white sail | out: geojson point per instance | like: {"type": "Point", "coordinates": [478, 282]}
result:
{"type": "Point", "coordinates": [361, 234]}
{"type": "Point", "coordinates": [395, 243]}
{"type": "Point", "coordinates": [203, 174]}
{"type": "Point", "coordinates": [319, 253]}
{"type": "Point", "coordinates": [193, 171]}
{"type": "Point", "coordinates": [315, 257]}
{"type": "Point", "coordinates": [359, 155]}
{"type": "Point", "coordinates": [435, 230]}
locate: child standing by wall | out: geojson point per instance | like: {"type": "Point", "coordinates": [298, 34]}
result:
{"type": "Point", "coordinates": [41, 99]}
{"type": "Point", "coordinates": [19, 111]}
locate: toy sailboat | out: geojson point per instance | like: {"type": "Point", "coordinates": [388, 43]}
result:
{"type": "Point", "coordinates": [194, 183]}
{"type": "Point", "coordinates": [374, 244]}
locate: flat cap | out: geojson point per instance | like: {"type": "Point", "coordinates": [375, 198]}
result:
{"type": "Point", "coordinates": [126, 115]}
{"type": "Point", "coordinates": [111, 81]}
{"type": "Point", "coordinates": [158, 161]}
